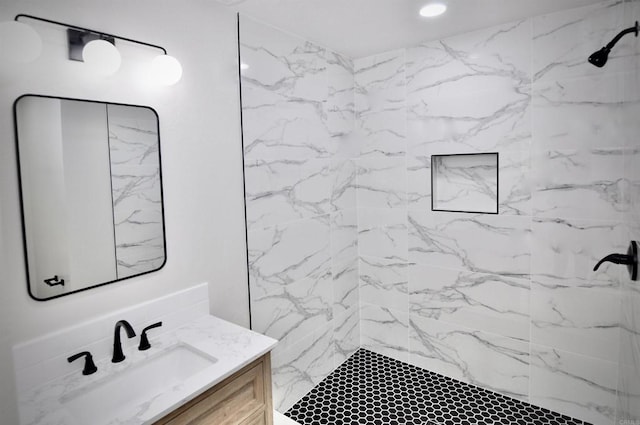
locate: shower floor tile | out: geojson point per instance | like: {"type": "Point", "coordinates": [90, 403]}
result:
{"type": "Point", "coordinates": [373, 389]}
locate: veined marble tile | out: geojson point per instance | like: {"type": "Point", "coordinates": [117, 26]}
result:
{"type": "Point", "coordinates": [384, 331]}
{"type": "Point", "coordinates": [276, 127]}
{"type": "Point", "coordinates": [491, 361]}
{"type": "Point", "coordinates": [292, 311]}
{"type": "Point", "coordinates": [346, 334]}
{"type": "Point", "coordinates": [563, 41]}
{"type": "Point", "coordinates": [490, 303]}
{"type": "Point", "coordinates": [347, 146]}
{"type": "Point", "coordinates": [284, 95]}
{"type": "Point", "coordinates": [577, 386]}
{"type": "Point", "coordinates": [133, 136]}
{"type": "Point", "coordinates": [564, 252]}
{"type": "Point", "coordinates": [382, 182]}
{"type": "Point", "coordinates": [281, 62]}
{"type": "Point", "coordinates": [578, 113]}
{"type": "Point", "coordinates": [138, 220]}
{"type": "Point", "coordinates": [382, 233]}
{"type": "Point", "coordinates": [465, 183]}
{"type": "Point", "coordinates": [280, 191]}
{"type": "Point", "coordinates": [139, 257]}
{"type": "Point", "coordinates": [628, 403]}
{"type": "Point", "coordinates": [630, 130]}
{"type": "Point", "coordinates": [630, 329]}
{"type": "Point", "coordinates": [344, 235]}
{"type": "Point", "coordinates": [515, 182]}
{"type": "Point", "coordinates": [483, 60]}
{"type": "Point", "coordinates": [630, 108]}
{"type": "Point", "coordinates": [343, 188]}
{"type": "Point", "coordinates": [577, 320]}
{"type": "Point", "coordinates": [380, 103]}
{"type": "Point", "coordinates": [586, 184]}
{"type": "Point", "coordinates": [481, 243]}
{"type": "Point", "coordinates": [384, 283]}
{"type": "Point", "coordinates": [468, 93]}
{"type": "Point", "coordinates": [419, 182]}
{"type": "Point", "coordinates": [135, 181]}
{"type": "Point", "coordinates": [461, 122]}
{"type": "Point", "coordinates": [287, 253]}
{"type": "Point", "coordinates": [340, 105]}
{"type": "Point", "coordinates": [629, 367]}
{"type": "Point", "coordinates": [632, 185]}
{"type": "Point", "coordinates": [296, 370]}
{"type": "Point", "coordinates": [345, 286]}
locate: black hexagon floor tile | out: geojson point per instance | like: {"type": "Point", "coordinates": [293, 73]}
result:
{"type": "Point", "coordinates": [372, 389]}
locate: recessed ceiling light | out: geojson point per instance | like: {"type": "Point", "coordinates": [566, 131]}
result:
{"type": "Point", "coordinates": [244, 66]}
{"type": "Point", "coordinates": [433, 9]}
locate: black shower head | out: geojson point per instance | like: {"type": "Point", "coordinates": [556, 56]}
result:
{"type": "Point", "coordinates": [600, 57]}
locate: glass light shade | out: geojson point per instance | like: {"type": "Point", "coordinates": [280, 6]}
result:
{"type": "Point", "coordinates": [102, 57]}
{"type": "Point", "coordinates": [19, 42]}
{"type": "Point", "coordinates": [433, 9]}
{"type": "Point", "coordinates": [166, 70]}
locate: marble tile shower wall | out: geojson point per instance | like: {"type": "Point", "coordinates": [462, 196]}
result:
{"type": "Point", "coordinates": [508, 302]}
{"type": "Point", "coordinates": [628, 405]}
{"type": "Point", "coordinates": [298, 116]}
{"type": "Point", "coordinates": [135, 179]}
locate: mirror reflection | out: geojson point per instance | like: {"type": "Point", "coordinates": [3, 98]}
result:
{"type": "Point", "coordinates": [91, 191]}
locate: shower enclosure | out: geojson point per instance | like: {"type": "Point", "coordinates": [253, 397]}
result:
{"type": "Point", "coordinates": [344, 248]}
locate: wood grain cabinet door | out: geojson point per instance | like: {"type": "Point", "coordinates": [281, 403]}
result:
{"type": "Point", "coordinates": [242, 399]}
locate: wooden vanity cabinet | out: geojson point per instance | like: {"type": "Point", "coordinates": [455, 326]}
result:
{"type": "Point", "coordinates": [244, 398]}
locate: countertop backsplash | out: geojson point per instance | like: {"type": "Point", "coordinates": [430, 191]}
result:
{"type": "Point", "coordinates": [44, 359]}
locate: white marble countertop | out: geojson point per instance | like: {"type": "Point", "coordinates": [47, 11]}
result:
{"type": "Point", "coordinates": [232, 346]}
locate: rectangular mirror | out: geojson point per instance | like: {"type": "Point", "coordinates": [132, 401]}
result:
{"type": "Point", "coordinates": [91, 191]}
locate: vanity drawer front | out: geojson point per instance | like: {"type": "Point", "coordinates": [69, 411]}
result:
{"type": "Point", "coordinates": [257, 419]}
{"type": "Point", "coordinates": [238, 400]}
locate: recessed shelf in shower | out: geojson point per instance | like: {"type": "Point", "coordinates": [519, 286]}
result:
{"type": "Point", "coordinates": [465, 183]}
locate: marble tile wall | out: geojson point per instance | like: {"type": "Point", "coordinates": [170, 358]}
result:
{"type": "Point", "coordinates": [300, 173]}
{"type": "Point", "coordinates": [628, 401]}
{"type": "Point", "coordinates": [508, 302]}
{"type": "Point", "coordinates": [345, 251]}
{"type": "Point", "coordinates": [135, 181]}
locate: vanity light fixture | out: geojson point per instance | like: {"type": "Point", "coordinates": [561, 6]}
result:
{"type": "Point", "coordinates": [99, 51]}
{"type": "Point", "coordinates": [166, 70]}
{"type": "Point", "coordinates": [19, 42]}
{"type": "Point", "coordinates": [432, 10]}
{"type": "Point", "coordinates": [102, 56]}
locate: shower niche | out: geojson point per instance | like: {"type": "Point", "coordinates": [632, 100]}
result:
{"type": "Point", "coordinates": [465, 182]}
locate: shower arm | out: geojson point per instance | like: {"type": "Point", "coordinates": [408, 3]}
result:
{"type": "Point", "coordinates": [617, 38]}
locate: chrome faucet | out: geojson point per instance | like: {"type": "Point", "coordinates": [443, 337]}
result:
{"type": "Point", "coordinates": [118, 355]}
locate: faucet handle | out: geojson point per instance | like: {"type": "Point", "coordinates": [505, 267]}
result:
{"type": "Point", "coordinates": [89, 365]}
{"type": "Point", "coordinates": [144, 340]}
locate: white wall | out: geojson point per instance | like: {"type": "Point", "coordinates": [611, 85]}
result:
{"type": "Point", "coordinates": [201, 159]}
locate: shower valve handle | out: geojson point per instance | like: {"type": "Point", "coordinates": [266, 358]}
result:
{"type": "Point", "coordinates": [615, 258]}
{"type": "Point", "coordinates": [630, 259]}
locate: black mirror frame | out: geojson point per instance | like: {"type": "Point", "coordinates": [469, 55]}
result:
{"type": "Point", "coordinates": [21, 199]}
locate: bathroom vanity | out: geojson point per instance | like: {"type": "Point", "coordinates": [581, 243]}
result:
{"type": "Point", "coordinates": [199, 369]}
{"type": "Point", "coordinates": [242, 399]}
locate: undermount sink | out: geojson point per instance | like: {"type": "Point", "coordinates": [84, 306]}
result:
{"type": "Point", "coordinates": [135, 385]}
